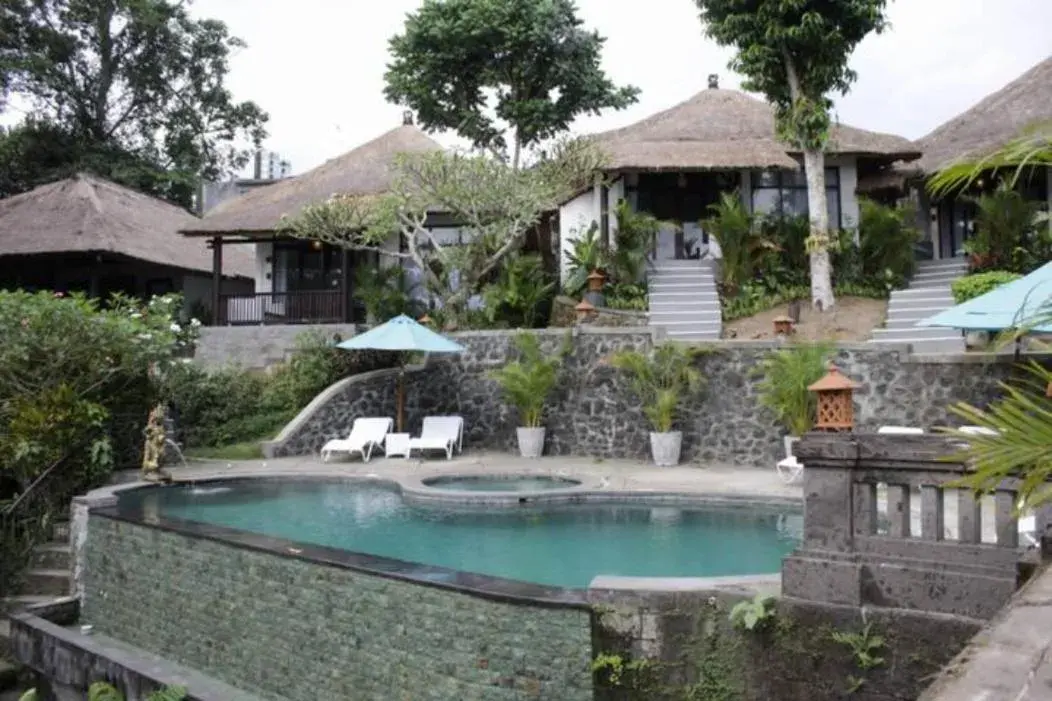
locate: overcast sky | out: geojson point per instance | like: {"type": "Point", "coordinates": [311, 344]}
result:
{"type": "Point", "coordinates": [317, 65]}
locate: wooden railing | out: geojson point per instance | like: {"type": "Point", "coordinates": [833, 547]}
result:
{"type": "Point", "coordinates": [885, 523]}
{"type": "Point", "coordinates": [303, 307]}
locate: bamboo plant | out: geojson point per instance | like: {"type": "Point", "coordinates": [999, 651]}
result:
{"type": "Point", "coordinates": [662, 380]}
{"type": "Point", "coordinates": [786, 374]}
{"type": "Point", "coordinates": [528, 381]}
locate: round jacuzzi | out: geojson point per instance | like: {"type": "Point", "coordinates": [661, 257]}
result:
{"type": "Point", "coordinates": [503, 484]}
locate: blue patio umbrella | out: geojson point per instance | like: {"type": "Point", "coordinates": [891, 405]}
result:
{"type": "Point", "coordinates": [1014, 305]}
{"type": "Point", "coordinates": [404, 335]}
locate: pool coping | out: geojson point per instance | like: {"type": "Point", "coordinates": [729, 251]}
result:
{"type": "Point", "coordinates": [103, 503]}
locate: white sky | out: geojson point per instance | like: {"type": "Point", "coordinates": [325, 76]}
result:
{"type": "Point", "coordinates": [317, 65]}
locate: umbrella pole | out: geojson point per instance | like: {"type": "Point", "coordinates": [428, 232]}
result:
{"type": "Point", "coordinates": [400, 397]}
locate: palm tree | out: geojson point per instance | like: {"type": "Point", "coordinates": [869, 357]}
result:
{"type": "Point", "coordinates": [1033, 149]}
{"type": "Point", "coordinates": [1019, 438]}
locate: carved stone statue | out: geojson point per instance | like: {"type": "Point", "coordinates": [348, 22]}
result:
{"type": "Point", "coordinates": [153, 450]}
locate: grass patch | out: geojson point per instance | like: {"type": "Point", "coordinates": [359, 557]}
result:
{"type": "Point", "coordinates": [248, 450]}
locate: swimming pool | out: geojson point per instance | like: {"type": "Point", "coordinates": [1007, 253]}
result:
{"type": "Point", "coordinates": [556, 545]}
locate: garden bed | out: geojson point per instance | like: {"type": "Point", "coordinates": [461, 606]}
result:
{"type": "Point", "coordinates": [853, 320]}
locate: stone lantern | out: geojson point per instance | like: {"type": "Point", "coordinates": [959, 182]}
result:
{"type": "Point", "coordinates": [783, 325]}
{"type": "Point", "coordinates": [594, 295]}
{"type": "Point", "coordinates": [836, 402]}
{"type": "Point", "coordinates": [585, 311]}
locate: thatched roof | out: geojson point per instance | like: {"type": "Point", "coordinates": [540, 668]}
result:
{"type": "Point", "coordinates": [367, 170]}
{"type": "Point", "coordinates": [894, 177]}
{"type": "Point", "coordinates": [725, 129]}
{"type": "Point", "coordinates": [86, 214]}
{"type": "Point", "coordinates": [993, 122]}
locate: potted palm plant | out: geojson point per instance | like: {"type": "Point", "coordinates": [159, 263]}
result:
{"type": "Point", "coordinates": [662, 380]}
{"type": "Point", "coordinates": [526, 383]}
{"type": "Point", "coordinates": [786, 374]}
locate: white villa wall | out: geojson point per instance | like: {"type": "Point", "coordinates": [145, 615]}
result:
{"type": "Point", "coordinates": [848, 166]}
{"type": "Point", "coordinates": [575, 217]}
{"type": "Point", "coordinates": [264, 271]}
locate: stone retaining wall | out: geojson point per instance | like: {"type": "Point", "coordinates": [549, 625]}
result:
{"type": "Point", "coordinates": [564, 315]}
{"type": "Point", "coordinates": [593, 413]}
{"type": "Point", "coordinates": [256, 347]}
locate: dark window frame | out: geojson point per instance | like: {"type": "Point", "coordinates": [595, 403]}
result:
{"type": "Point", "coordinates": [785, 181]}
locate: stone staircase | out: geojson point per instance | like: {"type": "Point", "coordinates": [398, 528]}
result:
{"type": "Point", "coordinates": [683, 299]}
{"type": "Point", "coordinates": [928, 293]}
{"type": "Point", "coordinates": [50, 577]}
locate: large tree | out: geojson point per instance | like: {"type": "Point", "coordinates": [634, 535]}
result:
{"type": "Point", "coordinates": [795, 53]}
{"type": "Point", "coordinates": [138, 79]}
{"type": "Point", "coordinates": [494, 205]}
{"type": "Point", "coordinates": [504, 74]}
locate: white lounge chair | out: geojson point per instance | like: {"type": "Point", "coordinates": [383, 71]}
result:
{"type": "Point", "coordinates": [439, 433]}
{"type": "Point", "coordinates": [901, 430]}
{"type": "Point", "coordinates": [790, 469]}
{"type": "Point", "coordinates": [366, 434]}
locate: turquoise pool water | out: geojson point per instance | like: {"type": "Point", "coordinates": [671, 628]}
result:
{"type": "Point", "coordinates": [531, 483]}
{"type": "Point", "coordinates": [553, 545]}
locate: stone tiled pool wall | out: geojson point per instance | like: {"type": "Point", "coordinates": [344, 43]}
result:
{"type": "Point", "coordinates": [283, 626]}
{"type": "Point", "coordinates": [593, 412]}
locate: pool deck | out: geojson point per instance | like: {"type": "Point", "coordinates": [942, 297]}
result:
{"type": "Point", "coordinates": [612, 475]}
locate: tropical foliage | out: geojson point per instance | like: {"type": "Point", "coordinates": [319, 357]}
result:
{"type": "Point", "coordinates": [528, 381]}
{"type": "Point", "coordinates": [624, 263]}
{"type": "Point", "coordinates": [217, 408]}
{"type": "Point", "coordinates": [796, 54]}
{"type": "Point", "coordinates": [521, 294]}
{"type": "Point", "coordinates": [1031, 150]}
{"type": "Point", "coordinates": [386, 291]}
{"type": "Point", "coordinates": [133, 91]}
{"type": "Point", "coordinates": [104, 691]}
{"type": "Point", "coordinates": [785, 376]}
{"type": "Point", "coordinates": [1007, 235]}
{"type": "Point", "coordinates": [73, 373]}
{"type": "Point", "coordinates": [1019, 438]}
{"type": "Point", "coordinates": [742, 244]}
{"type": "Point", "coordinates": [663, 379]}
{"type": "Point", "coordinates": [887, 236]}
{"type": "Point", "coordinates": [972, 286]}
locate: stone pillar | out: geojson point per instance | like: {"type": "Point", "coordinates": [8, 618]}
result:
{"type": "Point", "coordinates": [79, 514]}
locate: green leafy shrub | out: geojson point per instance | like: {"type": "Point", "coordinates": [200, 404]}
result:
{"type": "Point", "coordinates": [972, 286]}
{"type": "Point", "coordinates": [753, 615]}
{"type": "Point", "coordinates": [887, 240]}
{"type": "Point", "coordinates": [1004, 229]}
{"type": "Point", "coordinates": [742, 243]}
{"type": "Point", "coordinates": [528, 381]}
{"type": "Point", "coordinates": [233, 405]}
{"type": "Point", "coordinates": [521, 295]}
{"type": "Point", "coordinates": [785, 376]}
{"type": "Point", "coordinates": [71, 371]}
{"type": "Point", "coordinates": [662, 379]}
{"type": "Point", "coordinates": [385, 292]}
{"type": "Point", "coordinates": [626, 261]}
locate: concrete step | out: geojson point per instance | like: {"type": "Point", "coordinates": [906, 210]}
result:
{"type": "Point", "coordinates": [939, 283]}
{"type": "Point", "coordinates": [699, 288]}
{"type": "Point", "coordinates": [60, 532]}
{"type": "Point", "coordinates": [917, 333]}
{"type": "Point", "coordinates": [692, 328]}
{"type": "Point", "coordinates": [43, 582]}
{"type": "Point", "coordinates": [52, 556]}
{"type": "Point", "coordinates": [912, 293]}
{"type": "Point", "coordinates": [684, 304]}
{"type": "Point", "coordinates": [957, 263]}
{"type": "Point", "coordinates": [907, 328]}
{"type": "Point", "coordinates": [666, 317]}
{"type": "Point", "coordinates": [681, 296]}
{"type": "Point", "coordinates": [915, 311]}
{"type": "Point", "coordinates": [938, 273]}
{"type": "Point", "coordinates": [694, 337]}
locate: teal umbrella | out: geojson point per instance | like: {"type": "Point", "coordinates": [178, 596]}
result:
{"type": "Point", "coordinates": [1014, 305]}
{"type": "Point", "coordinates": [403, 335]}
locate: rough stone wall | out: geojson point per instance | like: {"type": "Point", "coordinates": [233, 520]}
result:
{"type": "Point", "coordinates": [593, 412]}
{"type": "Point", "coordinates": [256, 347]}
{"type": "Point", "coordinates": [685, 647]}
{"type": "Point", "coordinates": [288, 629]}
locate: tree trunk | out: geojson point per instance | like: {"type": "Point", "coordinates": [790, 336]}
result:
{"type": "Point", "coordinates": [821, 267]}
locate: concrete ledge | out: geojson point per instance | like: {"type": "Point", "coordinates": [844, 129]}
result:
{"type": "Point", "coordinates": [71, 662]}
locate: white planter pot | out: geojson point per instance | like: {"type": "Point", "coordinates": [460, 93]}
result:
{"type": "Point", "coordinates": [531, 442]}
{"type": "Point", "coordinates": [665, 448]}
{"type": "Point", "coordinates": [790, 441]}
{"type": "Point", "coordinates": [976, 339]}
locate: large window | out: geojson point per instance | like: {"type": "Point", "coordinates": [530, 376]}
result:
{"type": "Point", "coordinates": [784, 192]}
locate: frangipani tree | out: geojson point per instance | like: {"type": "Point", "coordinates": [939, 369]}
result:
{"type": "Point", "coordinates": [493, 205]}
{"type": "Point", "coordinates": [795, 53]}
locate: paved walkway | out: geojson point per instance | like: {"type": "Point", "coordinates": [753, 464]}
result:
{"type": "Point", "coordinates": [616, 475]}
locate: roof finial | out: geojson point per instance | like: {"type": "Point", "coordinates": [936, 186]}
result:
{"type": "Point", "coordinates": [714, 81]}
{"type": "Point", "coordinates": [407, 118]}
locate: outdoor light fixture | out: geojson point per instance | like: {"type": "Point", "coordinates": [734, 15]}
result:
{"type": "Point", "coordinates": [316, 245]}
{"type": "Point", "coordinates": [836, 403]}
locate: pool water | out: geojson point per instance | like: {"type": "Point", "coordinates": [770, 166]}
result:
{"type": "Point", "coordinates": [500, 484]}
{"type": "Point", "coordinates": [564, 545]}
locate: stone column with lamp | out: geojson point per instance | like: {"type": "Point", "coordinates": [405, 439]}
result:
{"type": "Point", "coordinates": [596, 282]}
{"type": "Point", "coordinates": [585, 311]}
